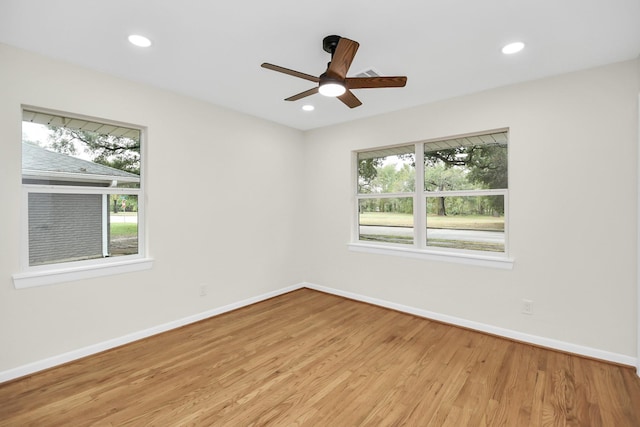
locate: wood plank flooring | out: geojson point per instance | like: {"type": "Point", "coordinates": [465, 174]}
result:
{"type": "Point", "coordinates": [312, 359]}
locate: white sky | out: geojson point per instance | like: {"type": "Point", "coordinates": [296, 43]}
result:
{"type": "Point", "coordinates": [35, 132]}
{"type": "Point", "coordinates": [40, 133]}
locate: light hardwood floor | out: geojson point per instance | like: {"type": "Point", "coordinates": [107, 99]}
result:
{"type": "Point", "coordinates": [308, 358]}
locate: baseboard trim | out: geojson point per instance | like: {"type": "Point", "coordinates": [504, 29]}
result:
{"type": "Point", "coordinates": [70, 356]}
{"type": "Point", "coordinates": [60, 359]}
{"type": "Point", "coordinates": [481, 327]}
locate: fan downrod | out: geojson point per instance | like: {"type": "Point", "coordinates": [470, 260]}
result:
{"type": "Point", "coordinates": [330, 43]}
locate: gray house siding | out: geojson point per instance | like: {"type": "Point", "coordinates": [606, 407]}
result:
{"type": "Point", "coordinates": [64, 227]}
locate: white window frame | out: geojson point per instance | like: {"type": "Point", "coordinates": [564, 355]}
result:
{"type": "Point", "coordinates": [419, 248]}
{"type": "Point", "coordinates": [48, 274]}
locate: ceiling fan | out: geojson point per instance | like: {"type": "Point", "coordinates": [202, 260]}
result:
{"type": "Point", "coordinates": [334, 82]}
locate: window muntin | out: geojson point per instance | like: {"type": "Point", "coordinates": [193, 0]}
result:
{"type": "Point", "coordinates": [461, 205]}
{"type": "Point", "coordinates": [82, 186]}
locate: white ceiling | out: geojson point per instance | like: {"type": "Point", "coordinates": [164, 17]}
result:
{"type": "Point", "coordinates": [212, 50]}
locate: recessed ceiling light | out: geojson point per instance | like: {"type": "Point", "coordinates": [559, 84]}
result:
{"type": "Point", "coordinates": [308, 107]}
{"type": "Point", "coordinates": [140, 41]}
{"type": "Point", "coordinates": [513, 48]}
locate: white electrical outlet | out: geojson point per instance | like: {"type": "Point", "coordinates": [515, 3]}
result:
{"type": "Point", "coordinates": [527, 306]}
{"type": "Point", "coordinates": [203, 290]}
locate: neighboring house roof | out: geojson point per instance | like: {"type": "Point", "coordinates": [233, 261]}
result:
{"type": "Point", "coordinates": [41, 164]}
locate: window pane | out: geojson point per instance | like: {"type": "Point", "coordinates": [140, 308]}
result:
{"type": "Point", "coordinates": [123, 225]}
{"type": "Point", "coordinates": [386, 220]}
{"type": "Point", "coordinates": [66, 151]}
{"type": "Point", "coordinates": [389, 170]}
{"type": "Point", "coordinates": [75, 227]}
{"type": "Point", "coordinates": [456, 165]}
{"type": "Point", "coordinates": [62, 152]}
{"type": "Point", "coordinates": [470, 222]}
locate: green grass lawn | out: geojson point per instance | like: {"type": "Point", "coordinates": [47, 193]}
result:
{"type": "Point", "coordinates": [124, 229]}
{"type": "Point", "coordinates": [476, 222]}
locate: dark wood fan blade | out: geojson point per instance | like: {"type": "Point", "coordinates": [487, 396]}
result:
{"type": "Point", "coordinates": [302, 94]}
{"type": "Point", "coordinates": [290, 72]}
{"type": "Point", "coordinates": [374, 82]}
{"type": "Point", "coordinates": [350, 99]}
{"type": "Point", "coordinates": [342, 58]}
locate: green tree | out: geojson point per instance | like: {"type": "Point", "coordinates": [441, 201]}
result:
{"type": "Point", "coordinates": [441, 177]}
{"type": "Point", "coordinates": [484, 166]}
{"type": "Point", "coordinates": [117, 152]}
{"type": "Point", "coordinates": [461, 168]}
{"type": "Point", "coordinates": [367, 172]}
{"type": "Point", "coordinates": [389, 179]}
{"type": "Point", "coordinates": [489, 166]}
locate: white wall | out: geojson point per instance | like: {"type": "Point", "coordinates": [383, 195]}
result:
{"type": "Point", "coordinates": [238, 175]}
{"type": "Point", "coordinates": [254, 226]}
{"type": "Point", "coordinates": [572, 184]}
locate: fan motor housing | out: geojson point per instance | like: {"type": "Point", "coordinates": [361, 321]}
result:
{"type": "Point", "coordinates": [329, 44]}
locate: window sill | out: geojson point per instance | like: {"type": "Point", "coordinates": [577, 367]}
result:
{"type": "Point", "coordinates": [460, 258]}
{"type": "Point", "coordinates": [67, 274]}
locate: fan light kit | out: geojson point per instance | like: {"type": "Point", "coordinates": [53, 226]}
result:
{"type": "Point", "coordinates": [334, 82]}
{"type": "Point", "coordinates": [331, 89]}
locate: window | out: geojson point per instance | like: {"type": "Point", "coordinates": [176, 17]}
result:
{"type": "Point", "coordinates": [83, 204]}
{"type": "Point", "coordinates": [446, 197]}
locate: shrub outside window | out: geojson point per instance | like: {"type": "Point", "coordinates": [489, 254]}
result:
{"type": "Point", "coordinates": [460, 205]}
